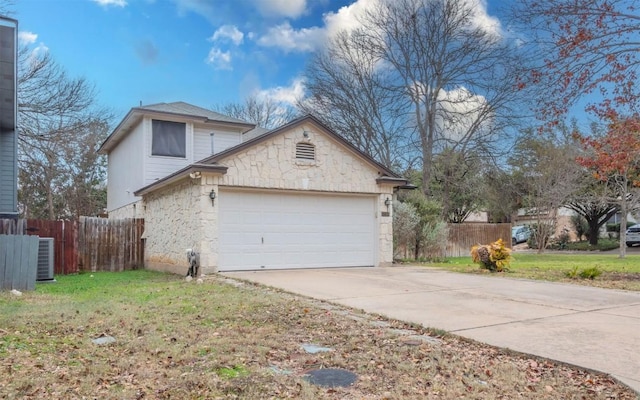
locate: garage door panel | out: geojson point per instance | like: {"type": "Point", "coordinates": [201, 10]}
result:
{"type": "Point", "coordinates": [295, 230]}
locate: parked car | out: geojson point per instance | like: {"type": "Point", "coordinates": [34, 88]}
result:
{"type": "Point", "coordinates": [633, 235]}
{"type": "Point", "coordinates": [520, 234]}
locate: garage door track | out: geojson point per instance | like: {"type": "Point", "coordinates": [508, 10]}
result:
{"type": "Point", "coordinates": [590, 327]}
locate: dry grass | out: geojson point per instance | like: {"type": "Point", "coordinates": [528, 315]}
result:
{"type": "Point", "coordinates": [616, 273]}
{"type": "Point", "coordinates": [179, 340]}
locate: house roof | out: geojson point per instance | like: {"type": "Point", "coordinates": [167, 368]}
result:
{"type": "Point", "coordinates": [211, 163]}
{"type": "Point", "coordinates": [195, 168]}
{"type": "Point", "coordinates": [178, 109]}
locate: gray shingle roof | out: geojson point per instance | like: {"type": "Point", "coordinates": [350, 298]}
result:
{"type": "Point", "coordinates": [180, 107]}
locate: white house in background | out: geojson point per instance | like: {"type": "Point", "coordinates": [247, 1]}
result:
{"type": "Point", "coordinates": [153, 141]}
{"type": "Point", "coordinates": [299, 196]}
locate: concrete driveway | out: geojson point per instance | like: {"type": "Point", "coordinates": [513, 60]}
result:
{"type": "Point", "coordinates": [590, 327]}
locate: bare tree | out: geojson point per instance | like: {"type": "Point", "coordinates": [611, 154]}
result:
{"type": "Point", "coordinates": [452, 79]}
{"type": "Point", "coordinates": [549, 176]}
{"type": "Point", "coordinates": [349, 93]}
{"type": "Point", "coordinates": [59, 129]}
{"type": "Point", "coordinates": [264, 112]}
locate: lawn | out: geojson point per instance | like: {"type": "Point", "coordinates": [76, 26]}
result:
{"type": "Point", "coordinates": [617, 273]}
{"type": "Point", "coordinates": [222, 339]}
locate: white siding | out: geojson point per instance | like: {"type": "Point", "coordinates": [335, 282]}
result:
{"type": "Point", "coordinates": [158, 167]}
{"type": "Point", "coordinates": [125, 170]}
{"type": "Point", "coordinates": [222, 140]}
{"type": "Point", "coordinates": [201, 143]}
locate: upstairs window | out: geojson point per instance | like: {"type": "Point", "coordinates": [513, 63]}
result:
{"type": "Point", "coordinates": [168, 138]}
{"type": "Point", "coordinates": [305, 151]}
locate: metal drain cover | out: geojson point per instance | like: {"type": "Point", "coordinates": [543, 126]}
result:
{"type": "Point", "coordinates": [331, 377]}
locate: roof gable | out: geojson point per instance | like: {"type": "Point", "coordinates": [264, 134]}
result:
{"type": "Point", "coordinates": [174, 110]}
{"type": "Point", "coordinates": [186, 109]}
{"type": "Point", "coordinates": [214, 159]}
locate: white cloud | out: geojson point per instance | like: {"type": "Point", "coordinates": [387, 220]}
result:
{"type": "Point", "coordinates": [230, 32]}
{"type": "Point", "coordinates": [36, 55]}
{"type": "Point", "coordinates": [347, 18]}
{"type": "Point", "coordinates": [281, 8]}
{"type": "Point", "coordinates": [219, 59]}
{"type": "Point", "coordinates": [26, 37]}
{"type": "Point", "coordinates": [205, 8]}
{"type": "Point", "coordinates": [483, 20]}
{"type": "Point", "coordinates": [288, 39]}
{"type": "Point", "coordinates": [459, 111]}
{"type": "Point", "coordinates": [40, 50]}
{"type": "Point", "coordinates": [288, 95]}
{"type": "Point", "coordinates": [107, 3]}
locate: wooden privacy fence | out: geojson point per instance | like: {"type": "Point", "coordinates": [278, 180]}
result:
{"type": "Point", "coordinates": [463, 236]}
{"type": "Point", "coordinates": [64, 234]}
{"type": "Point", "coordinates": [18, 262]}
{"type": "Point", "coordinates": [91, 244]}
{"type": "Point", "coordinates": [13, 226]}
{"type": "Point", "coordinates": [65, 242]}
{"type": "Point", "coordinates": [110, 244]}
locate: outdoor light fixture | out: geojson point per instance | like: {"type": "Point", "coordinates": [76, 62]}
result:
{"type": "Point", "coordinates": [305, 134]}
{"type": "Point", "coordinates": [387, 203]}
{"type": "Point", "coordinates": [212, 196]}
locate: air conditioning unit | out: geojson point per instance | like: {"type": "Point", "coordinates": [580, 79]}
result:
{"type": "Point", "coordinates": [45, 260]}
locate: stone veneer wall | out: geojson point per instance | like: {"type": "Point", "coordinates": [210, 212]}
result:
{"type": "Point", "coordinates": [276, 167]}
{"type": "Point", "coordinates": [172, 225]}
{"type": "Point", "coordinates": [385, 230]}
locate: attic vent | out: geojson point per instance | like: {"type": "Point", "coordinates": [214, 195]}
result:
{"type": "Point", "coordinates": [305, 151]}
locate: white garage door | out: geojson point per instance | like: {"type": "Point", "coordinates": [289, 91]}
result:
{"type": "Point", "coordinates": [265, 230]}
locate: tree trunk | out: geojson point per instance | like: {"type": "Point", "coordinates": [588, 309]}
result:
{"type": "Point", "coordinates": [594, 230]}
{"type": "Point", "coordinates": [623, 225]}
{"type": "Point", "coordinates": [50, 204]}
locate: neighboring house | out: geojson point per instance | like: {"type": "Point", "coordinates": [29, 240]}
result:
{"type": "Point", "coordinates": [561, 219]}
{"type": "Point", "coordinates": [8, 119]}
{"type": "Point", "coordinates": [299, 196]}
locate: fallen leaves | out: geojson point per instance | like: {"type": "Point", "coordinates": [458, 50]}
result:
{"type": "Point", "coordinates": [246, 343]}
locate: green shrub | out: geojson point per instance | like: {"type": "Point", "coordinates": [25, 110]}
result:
{"type": "Point", "coordinates": [611, 227]}
{"type": "Point", "coordinates": [434, 240]}
{"type": "Point", "coordinates": [603, 245]}
{"type": "Point", "coordinates": [587, 273]}
{"type": "Point", "coordinates": [405, 223]}
{"type": "Point", "coordinates": [572, 273]}
{"type": "Point", "coordinates": [590, 273]}
{"type": "Point", "coordinates": [580, 225]}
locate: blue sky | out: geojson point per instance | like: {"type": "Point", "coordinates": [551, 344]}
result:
{"type": "Point", "coordinates": [205, 52]}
